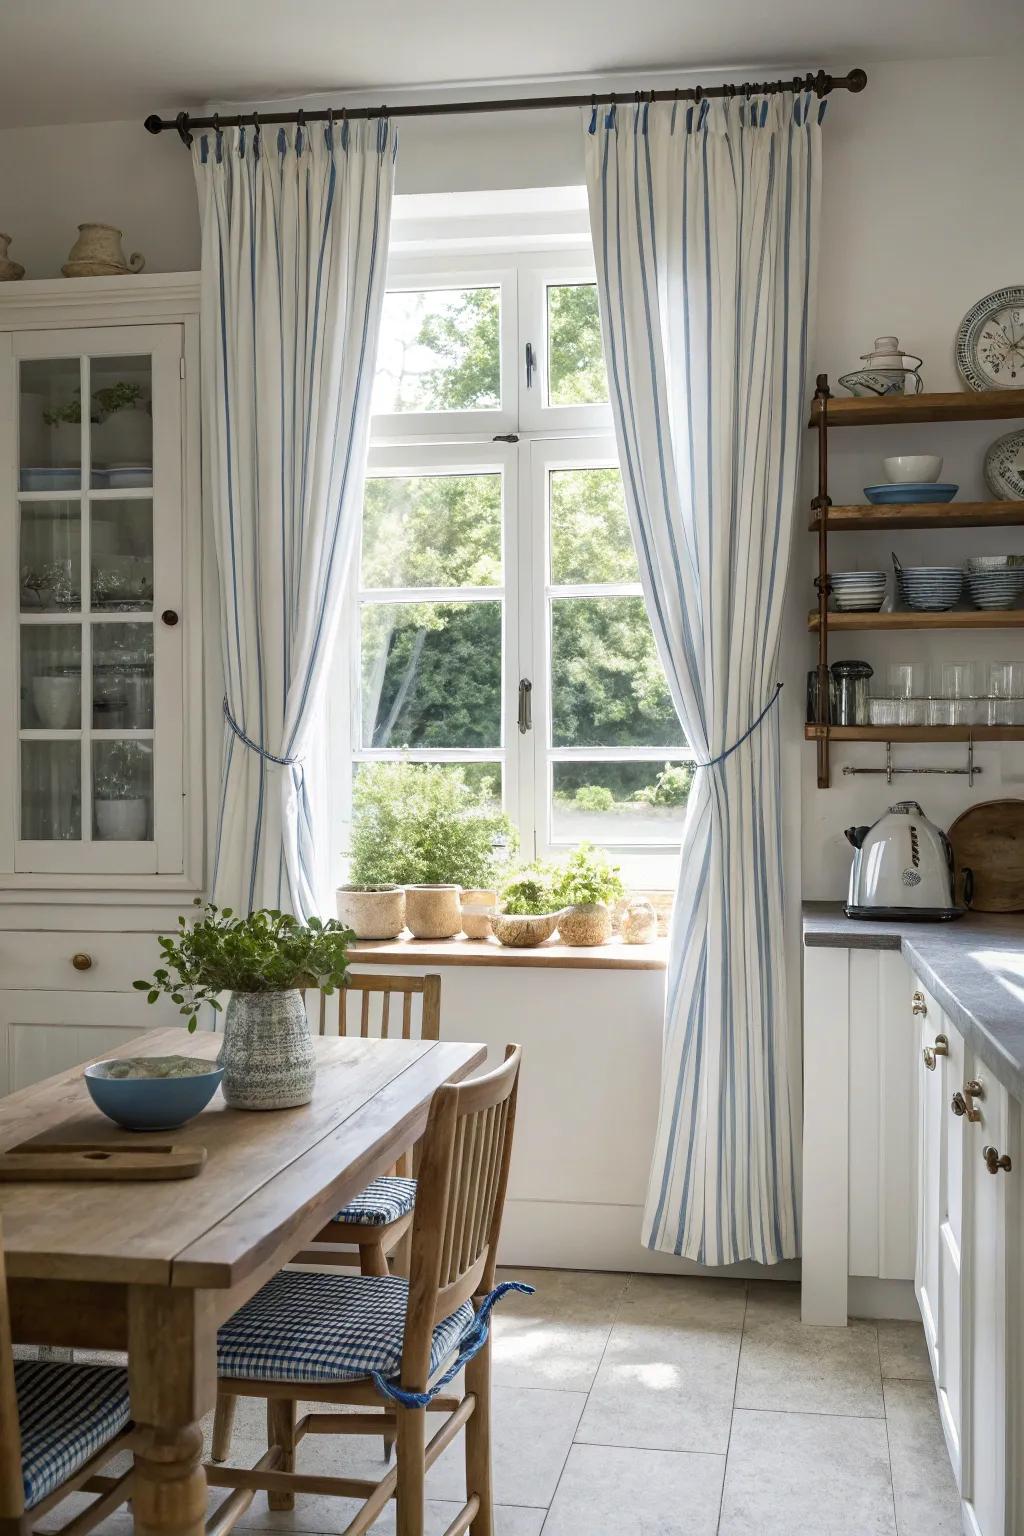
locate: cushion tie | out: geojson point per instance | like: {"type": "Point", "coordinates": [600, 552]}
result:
{"type": "Point", "coordinates": [472, 1343]}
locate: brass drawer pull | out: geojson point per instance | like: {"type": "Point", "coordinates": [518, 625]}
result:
{"type": "Point", "coordinates": [919, 1006]}
{"type": "Point", "coordinates": [993, 1162]}
{"type": "Point", "coordinates": [963, 1102]}
{"type": "Point", "coordinates": [931, 1052]}
{"type": "Point", "coordinates": [82, 961]}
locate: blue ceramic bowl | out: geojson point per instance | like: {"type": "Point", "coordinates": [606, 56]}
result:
{"type": "Point", "coordinates": [151, 1103]}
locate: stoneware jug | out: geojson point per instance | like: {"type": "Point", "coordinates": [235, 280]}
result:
{"type": "Point", "coordinates": [268, 1056]}
{"type": "Point", "coordinates": [10, 271]}
{"type": "Point", "coordinates": [98, 253]}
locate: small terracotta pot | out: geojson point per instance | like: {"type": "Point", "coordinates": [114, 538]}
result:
{"type": "Point", "coordinates": [433, 911]}
{"type": "Point", "coordinates": [523, 932]}
{"type": "Point", "coordinates": [478, 907]}
{"type": "Point", "coordinates": [589, 923]}
{"type": "Point", "coordinates": [372, 912]}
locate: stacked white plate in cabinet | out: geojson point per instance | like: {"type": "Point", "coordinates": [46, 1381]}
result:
{"type": "Point", "coordinates": [930, 588]}
{"type": "Point", "coordinates": [858, 591]}
{"type": "Point", "coordinates": [995, 586]}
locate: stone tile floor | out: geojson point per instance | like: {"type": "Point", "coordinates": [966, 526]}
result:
{"type": "Point", "coordinates": [655, 1406]}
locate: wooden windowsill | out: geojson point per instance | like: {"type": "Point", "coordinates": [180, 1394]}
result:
{"type": "Point", "coordinates": [488, 952]}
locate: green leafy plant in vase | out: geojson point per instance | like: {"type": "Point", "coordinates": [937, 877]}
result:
{"type": "Point", "coordinates": [587, 887]}
{"type": "Point", "coordinates": [264, 961]}
{"type": "Point", "coordinates": [121, 804]}
{"type": "Point", "coordinates": [425, 830]}
{"type": "Point", "coordinates": [527, 912]}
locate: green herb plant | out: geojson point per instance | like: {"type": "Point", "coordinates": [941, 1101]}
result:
{"type": "Point", "coordinates": [426, 824]}
{"type": "Point", "coordinates": [104, 402]}
{"type": "Point", "coordinates": [587, 876]}
{"type": "Point", "coordinates": [264, 952]}
{"type": "Point", "coordinates": [671, 787]}
{"type": "Point", "coordinates": [118, 776]}
{"type": "Point", "coordinates": [529, 892]}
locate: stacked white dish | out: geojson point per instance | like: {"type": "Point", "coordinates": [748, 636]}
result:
{"type": "Point", "coordinates": [858, 591]}
{"type": "Point", "coordinates": [930, 588]}
{"type": "Point", "coordinates": [995, 581]}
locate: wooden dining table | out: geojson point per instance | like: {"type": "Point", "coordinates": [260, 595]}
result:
{"type": "Point", "coordinates": [154, 1268]}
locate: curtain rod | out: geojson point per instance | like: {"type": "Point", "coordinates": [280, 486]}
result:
{"type": "Point", "coordinates": [821, 84]}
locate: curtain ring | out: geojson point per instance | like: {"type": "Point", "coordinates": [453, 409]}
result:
{"type": "Point", "coordinates": [698, 94]}
{"type": "Point", "coordinates": [330, 121]}
{"type": "Point", "coordinates": [181, 123]}
{"type": "Point", "coordinates": [300, 119]}
{"type": "Point", "coordinates": [746, 91]}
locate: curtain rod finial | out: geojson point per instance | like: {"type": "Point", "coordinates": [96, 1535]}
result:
{"type": "Point", "coordinates": [857, 80]}
{"type": "Point", "coordinates": [153, 123]}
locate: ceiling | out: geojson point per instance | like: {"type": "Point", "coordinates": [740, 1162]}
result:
{"type": "Point", "coordinates": [72, 61]}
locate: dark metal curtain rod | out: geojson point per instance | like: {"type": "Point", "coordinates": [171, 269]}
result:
{"type": "Point", "coordinates": [821, 84]}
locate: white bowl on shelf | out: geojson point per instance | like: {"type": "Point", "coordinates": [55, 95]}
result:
{"type": "Point", "coordinates": [904, 468]}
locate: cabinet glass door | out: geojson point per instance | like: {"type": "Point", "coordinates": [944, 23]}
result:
{"type": "Point", "coordinates": [99, 576]}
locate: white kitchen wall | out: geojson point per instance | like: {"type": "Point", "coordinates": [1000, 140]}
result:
{"type": "Point", "coordinates": [922, 215]}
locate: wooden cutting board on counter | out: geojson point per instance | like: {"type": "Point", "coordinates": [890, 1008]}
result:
{"type": "Point", "coordinates": [989, 839]}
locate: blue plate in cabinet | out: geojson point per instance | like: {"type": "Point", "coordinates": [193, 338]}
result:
{"type": "Point", "coordinates": [909, 492]}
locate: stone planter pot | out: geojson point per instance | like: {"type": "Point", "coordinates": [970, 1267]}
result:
{"type": "Point", "coordinates": [589, 923]}
{"type": "Point", "coordinates": [372, 911]}
{"type": "Point", "coordinates": [523, 932]}
{"type": "Point", "coordinates": [433, 911]}
{"type": "Point", "coordinates": [267, 1054]}
{"type": "Point", "coordinates": [478, 907]}
{"type": "Point", "coordinates": [122, 821]}
{"type": "Point", "coordinates": [639, 923]}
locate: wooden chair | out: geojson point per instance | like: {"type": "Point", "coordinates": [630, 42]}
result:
{"type": "Point", "coordinates": [59, 1424]}
{"type": "Point", "coordinates": [379, 1218]}
{"type": "Point", "coordinates": [345, 1339]}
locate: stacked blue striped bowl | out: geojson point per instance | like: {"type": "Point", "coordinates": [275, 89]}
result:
{"type": "Point", "coordinates": [930, 588]}
{"type": "Point", "coordinates": [994, 581]}
{"type": "Point", "coordinates": [858, 591]}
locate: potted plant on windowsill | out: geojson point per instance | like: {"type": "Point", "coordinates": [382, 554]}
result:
{"type": "Point", "coordinates": [426, 830]}
{"type": "Point", "coordinates": [528, 912]}
{"type": "Point", "coordinates": [264, 961]}
{"type": "Point", "coordinates": [587, 887]}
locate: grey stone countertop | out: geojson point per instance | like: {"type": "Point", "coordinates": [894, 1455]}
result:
{"type": "Point", "coordinates": [973, 967]}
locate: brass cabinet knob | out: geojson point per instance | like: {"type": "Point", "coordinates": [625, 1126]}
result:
{"type": "Point", "coordinates": [963, 1103]}
{"type": "Point", "coordinates": [993, 1161]}
{"type": "Point", "coordinates": [82, 961]}
{"type": "Point", "coordinates": [919, 1006]}
{"type": "Point", "coordinates": [931, 1052]}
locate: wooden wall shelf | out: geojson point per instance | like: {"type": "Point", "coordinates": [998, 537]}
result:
{"type": "Point", "coordinates": [915, 732]}
{"type": "Point", "coordinates": [974, 618]}
{"type": "Point", "coordinates": [892, 410]}
{"type": "Point", "coordinates": [923, 514]}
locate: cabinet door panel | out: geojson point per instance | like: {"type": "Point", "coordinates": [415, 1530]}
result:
{"type": "Point", "coordinates": [932, 1107]}
{"type": "Point", "coordinates": [42, 1033]}
{"type": "Point", "coordinates": [953, 1129]}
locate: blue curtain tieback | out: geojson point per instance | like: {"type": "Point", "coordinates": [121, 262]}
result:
{"type": "Point", "coordinates": [713, 761]}
{"type": "Point", "coordinates": [472, 1344]}
{"type": "Point", "coordinates": [254, 746]}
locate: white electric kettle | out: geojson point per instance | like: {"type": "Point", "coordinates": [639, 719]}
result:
{"type": "Point", "coordinates": [903, 868]}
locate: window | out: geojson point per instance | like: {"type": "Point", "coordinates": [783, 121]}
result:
{"type": "Point", "coordinates": [501, 622]}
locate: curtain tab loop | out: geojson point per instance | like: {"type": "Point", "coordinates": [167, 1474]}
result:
{"type": "Point", "coordinates": [254, 746]}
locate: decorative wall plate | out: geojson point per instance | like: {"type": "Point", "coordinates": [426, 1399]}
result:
{"type": "Point", "coordinates": [1004, 467]}
{"type": "Point", "coordinates": [990, 341]}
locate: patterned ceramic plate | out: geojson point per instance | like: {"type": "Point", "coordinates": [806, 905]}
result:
{"type": "Point", "coordinates": [990, 341]}
{"type": "Point", "coordinates": [1004, 467]}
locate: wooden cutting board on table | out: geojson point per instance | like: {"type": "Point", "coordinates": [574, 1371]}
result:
{"type": "Point", "coordinates": [989, 839]}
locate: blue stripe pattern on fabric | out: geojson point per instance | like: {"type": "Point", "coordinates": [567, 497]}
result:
{"type": "Point", "coordinates": [294, 246]}
{"type": "Point", "coordinates": [705, 228]}
{"type": "Point", "coordinates": [66, 1413]}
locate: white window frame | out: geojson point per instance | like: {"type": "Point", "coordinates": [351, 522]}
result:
{"type": "Point", "coordinates": [545, 436]}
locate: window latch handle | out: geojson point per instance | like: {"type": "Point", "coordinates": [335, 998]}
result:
{"type": "Point", "coordinates": [531, 364]}
{"type": "Point", "coordinates": [525, 707]}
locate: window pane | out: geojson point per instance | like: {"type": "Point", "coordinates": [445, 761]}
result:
{"type": "Point", "coordinates": [122, 677]}
{"type": "Point", "coordinates": [620, 802]}
{"type": "Point", "coordinates": [51, 677]}
{"type": "Point", "coordinates": [432, 531]}
{"type": "Point", "coordinates": [51, 555]}
{"type": "Point", "coordinates": [607, 686]}
{"type": "Point", "coordinates": [431, 674]}
{"type": "Point", "coordinates": [50, 418]}
{"type": "Point", "coordinates": [590, 537]}
{"type": "Point", "coordinates": [439, 351]}
{"type": "Point", "coordinates": [576, 372]}
{"type": "Point", "coordinates": [51, 791]}
{"type": "Point", "coordinates": [121, 421]}
{"type": "Point", "coordinates": [122, 555]}
{"type": "Point", "coordinates": [482, 777]}
{"type": "Point", "coordinates": [122, 787]}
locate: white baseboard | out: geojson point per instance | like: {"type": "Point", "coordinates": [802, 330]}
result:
{"type": "Point", "coordinates": [554, 1234]}
{"type": "Point", "coordinates": [871, 1297]}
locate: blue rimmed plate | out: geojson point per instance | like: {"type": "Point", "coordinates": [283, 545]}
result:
{"type": "Point", "coordinates": [910, 491]}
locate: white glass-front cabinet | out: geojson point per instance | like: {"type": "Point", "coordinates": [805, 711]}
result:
{"type": "Point", "coordinates": [94, 631]}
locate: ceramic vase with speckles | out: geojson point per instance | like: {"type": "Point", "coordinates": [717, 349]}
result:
{"type": "Point", "coordinates": [268, 1056]}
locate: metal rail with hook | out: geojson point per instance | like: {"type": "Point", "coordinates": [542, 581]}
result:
{"type": "Point", "coordinates": [969, 772]}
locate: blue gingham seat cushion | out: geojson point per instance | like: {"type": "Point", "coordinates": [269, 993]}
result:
{"type": "Point", "coordinates": [383, 1201]}
{"type": "Point", "coordinates": [316, 1327]}
{"type": "Point", "coordinates": [66, 1413]}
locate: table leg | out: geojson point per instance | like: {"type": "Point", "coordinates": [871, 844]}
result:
{"type": "Point", "coordinates": [172, 1375]}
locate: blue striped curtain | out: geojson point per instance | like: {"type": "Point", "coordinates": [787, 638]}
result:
{"type": "Point", "coordinates": [295, 240]}
{"type": "Point", "coordinates": [705, 221]}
